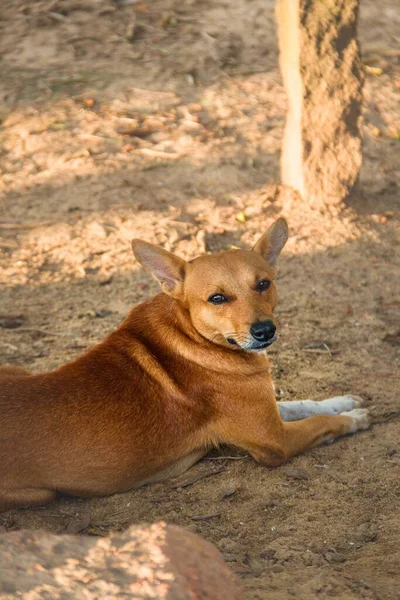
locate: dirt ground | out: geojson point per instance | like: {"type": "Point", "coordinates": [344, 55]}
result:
{"type": "Point", "coordinates": [163, 120]}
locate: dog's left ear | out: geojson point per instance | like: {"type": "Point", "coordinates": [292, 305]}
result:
{"type": "Point", "coordinates": [272, 242]}
{"type": "Point", "coordinates": [168, 269]}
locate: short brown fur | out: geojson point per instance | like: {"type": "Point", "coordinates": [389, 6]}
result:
{"type": "Point", "coordinates": [159, 392]}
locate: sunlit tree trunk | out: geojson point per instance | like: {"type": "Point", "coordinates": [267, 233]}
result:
{"type": "Point", "coordinates": [323, 77]}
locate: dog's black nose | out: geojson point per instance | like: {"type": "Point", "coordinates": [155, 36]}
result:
{"type": "Point", "coordinates": [263, 331]}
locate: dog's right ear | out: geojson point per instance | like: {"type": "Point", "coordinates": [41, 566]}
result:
{"type": "Point", "coordinates": [272, 242]}
{"type": "Point", "coordinates": [168, 269]}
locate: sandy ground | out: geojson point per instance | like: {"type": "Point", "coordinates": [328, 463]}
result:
{"type": "Point", "coordinates": [164, 120]}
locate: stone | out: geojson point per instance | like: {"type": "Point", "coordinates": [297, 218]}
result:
{"type": "Point", "coordinates": [147, 562]}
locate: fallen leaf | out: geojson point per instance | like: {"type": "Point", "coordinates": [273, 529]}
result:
{"type": "Point", "coordinates": [241, 217]}
{"type": "Point", "coordinates": [78, 525]}
{"type": "Point", "coordinates": [228, 493]}
{"type": "Point", "coordinates": [373, 70]}
{"type": "Point", "coordinates": [392, 338]}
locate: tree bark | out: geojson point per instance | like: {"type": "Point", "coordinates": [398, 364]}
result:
{"type": "Point", "coordinates": [323, 77]}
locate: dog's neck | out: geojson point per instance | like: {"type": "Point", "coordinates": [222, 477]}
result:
{"type": "Point", "coordinates": [163, 323]}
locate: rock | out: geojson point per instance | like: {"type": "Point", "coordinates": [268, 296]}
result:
{"type": "Point", "coordinates": [321, 67]}
{"type": "Point", "coordinates": [277, 569]}
{"type": "Point", "coordinates": [145, 562]}
{"type": "Point", "coordinates": [297, 473]}
{"type": "Point", "coordinates": [96, 230]}
{"type": "Point", "coordinates": [12, 321]}
{"type": "Point", "coordinates": [256, 565]}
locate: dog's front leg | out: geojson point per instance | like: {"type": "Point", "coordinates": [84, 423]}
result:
{"type": "Point", "coordinates": [312, 431]}
{"type": "Point", "coordinates": [271, 441]}
{"type": "Point", "coordinates": [297, 436]}
{"type": "Point", "coordinates": [296, 410]}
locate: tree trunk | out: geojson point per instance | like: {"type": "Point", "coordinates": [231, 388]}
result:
{"type": "Point", "coordinates": [322, 72]}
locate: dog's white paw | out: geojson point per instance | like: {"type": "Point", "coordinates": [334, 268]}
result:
{"type": "Point", "coordinates": [340, 404]}
{"type": "Point", "coordinates": [360, 419]}
{"type": "Point", "coordinates": [357, 400]}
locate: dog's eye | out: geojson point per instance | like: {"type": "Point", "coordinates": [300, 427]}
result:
{"type": "Point", "coordinates": [217, 299]}
{"type": "Point", "coordinates": [263, 285]}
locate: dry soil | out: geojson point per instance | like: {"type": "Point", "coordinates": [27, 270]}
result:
{"type": "Point", "coordinates": [163, 120]}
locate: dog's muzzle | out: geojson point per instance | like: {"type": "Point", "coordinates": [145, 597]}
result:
{"type": "Point", "coordinates": [262, 335]}
{"type": "Point", "coordinates": [258, 347]}
{"type": "Point", "coordinates": [263, 332]}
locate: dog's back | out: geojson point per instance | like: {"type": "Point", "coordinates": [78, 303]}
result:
{"type": "Point", "coordinates": [133, 391]}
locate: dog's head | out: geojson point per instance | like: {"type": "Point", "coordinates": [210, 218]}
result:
{"type": "Point", "coordinates": [231, 296]}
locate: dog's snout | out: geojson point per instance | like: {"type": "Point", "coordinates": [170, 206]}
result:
{"type": "Point", "coordinates": [263, 331]}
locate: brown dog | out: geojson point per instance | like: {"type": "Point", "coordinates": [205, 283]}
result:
{"type": "Point", "coordinates": [185, 372]}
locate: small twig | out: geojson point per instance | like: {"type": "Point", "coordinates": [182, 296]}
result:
{"type": "Point", "coordinates": [249, 71]}
{"type": "Point", "coordinates": [205, 517]}
{"type": "Point", "coordinates": [316, 348]}
{"type": "Point", "coordinates": [186, 18]}
{"type": "Point", "coordinates": [226, 457]}
{"type": "Point", "coordinates": [58, 17]}
{"type": "Point", "coordinates": [24, 225]}
{"type": "Point", "coordinates": [8, 244]}
{"type": "Point", "coordinates": [84, 94]}
{"type": "Point", "coordinates": [37, 330]}
{"type": "Point", "coordinates": [169, 221]}
{"type": "Point", "coordinates": [127, 2]}
{"type": "Point", "coordinates": [78, 38]}
{"type": "Point", "coordinates": [7, 345]}
{"type": "Point", "coordinates": [99, 137]}
{"type": "Point", "coordinates": [197, 478]}
{"type": "Point", "coordinates": [158, 153]}
{"type": "Point", "coordinates": [286, 311]}
{"type": "Point", "coordinates": [389, 417]}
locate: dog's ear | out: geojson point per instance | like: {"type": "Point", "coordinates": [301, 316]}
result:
{"type": "Point", "coordinates": [168, 269]}
{"type": "Point", "coordinates": [272, 242]}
